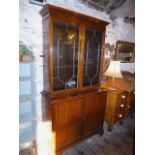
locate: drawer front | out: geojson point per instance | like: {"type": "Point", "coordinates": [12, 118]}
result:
{"type": "Point", "coordinates": [122, 98]}
{"type": "Point", "coordinates": [121, 105]}
{"type": "Point", "coordinates": [119, 116]}
{"type": "Point", "coordinates": [121, 102]}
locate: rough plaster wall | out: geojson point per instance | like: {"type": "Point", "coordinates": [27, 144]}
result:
{"type": "Point", "coordinates": [31, 34]}
{"type": "Point", "coordinates": [119, 30]}
{"type": "Point", "coordinates": [116, 30]}
{"type": "Point", "coordinates": [78, 6]}
{"type": "Point", "coordinates": [126, 10]}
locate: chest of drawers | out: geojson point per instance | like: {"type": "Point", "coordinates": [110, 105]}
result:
{"type": "Point", "coordinates": [119, 105]}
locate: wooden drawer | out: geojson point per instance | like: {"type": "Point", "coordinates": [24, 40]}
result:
{"type": "Point", "coordinates": [122, 98]}
{"type": "Point", "coordinates": [119, 105]}
{"type": "Point", "coordinates": [116, 106]}
{"type": "Point", "coordinates": [119, 115]}
{"type": "Point", "coordinates": [121, 102]}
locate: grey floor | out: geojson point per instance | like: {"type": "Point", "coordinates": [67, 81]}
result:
{"type": "Point", "coordinates": [117, 142]}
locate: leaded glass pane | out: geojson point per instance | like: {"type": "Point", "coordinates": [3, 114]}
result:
{"type": "Point", "coordinates": [66, 49]}
{"type": "Point", "coordinates": [92, 57]}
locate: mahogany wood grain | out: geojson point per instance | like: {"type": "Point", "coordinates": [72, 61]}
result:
{"type": "Point", "coordinates": [102, 56]}
{"type": "Point", "coordinates": [93, 112]}
{"type": "Point", "coordinates": [119, 105]}
{"type": "Point", "coordinates": [67, 121]}
{"type": "Point", "coordinates": [81, 55]}
{"type": "Point", "coordinates": [74, 17]}
{"type": "Point", "coordinates": [74, 118]}
{"type": "Point", "coordinates": [51, 55]}
{"type": "Point", "coordinates": [131, 104]}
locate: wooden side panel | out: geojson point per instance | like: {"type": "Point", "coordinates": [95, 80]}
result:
{"type": "Point", "coordinates": [81, 56]}
{"type": "Point", "coordinates": [46, 51]}
{"type": "Point", "coordinates": [102, 56]}
{"type": "Point", "coordinates": [131, 104]}
{"type": "Point", "coordinates": [93, 112]}
{"type": "Point", "coordinates": [51, 55]}
{"type": "Point", "coordinates": [66, 120]}
{"type": "Point", "coordinates": [110, 107]}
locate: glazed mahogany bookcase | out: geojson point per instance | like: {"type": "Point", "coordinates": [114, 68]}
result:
{"type": "Point", "coordinates": [73, 47]}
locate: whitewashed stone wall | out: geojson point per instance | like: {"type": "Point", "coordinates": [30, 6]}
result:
{"type": "Point", "coordinates": [78, 6]}
{"type": "Point", "coordinates": [116, 30]}
{"type": "Point", "coordinates": [119, 30]}
{"type": "Point", "coordinates": [30, 33]}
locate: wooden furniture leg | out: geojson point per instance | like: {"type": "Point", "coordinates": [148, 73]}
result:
{"type": "Point", "coordinates": [121, 122]}
{"type": "Point", "coordinates": [101, 132]}
{"type": "Point", "coordinates": [110, 127]}
{"type": "Point", "coordinates": [132, 116]}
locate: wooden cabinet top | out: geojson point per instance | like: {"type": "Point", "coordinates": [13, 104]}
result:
{"type": "Point", "coordinates": [69, 15]}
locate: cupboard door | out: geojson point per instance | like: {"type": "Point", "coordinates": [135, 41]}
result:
{"type": "Point", "coordinates": [93, 111]}
{"type": "Point", "coordinates": [65, 56]}
{"type": "Point", "coordinates": [67, 121]}
{"type": "Point", "coordinates": [92, 57]}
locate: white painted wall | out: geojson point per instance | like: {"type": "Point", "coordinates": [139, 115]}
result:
{"type": "Point", "coordinates": [30, 33]}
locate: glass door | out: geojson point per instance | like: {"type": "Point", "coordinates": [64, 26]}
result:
{"type": "Point", "coordinates": [92, 57]}
{"type": "Point", "coordinates": [65, 56]}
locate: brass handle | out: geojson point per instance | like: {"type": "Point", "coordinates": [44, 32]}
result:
{"type": "Point", "coordinates": [123, 96]}
{"type": "Point", "coordinates": [122, 105]}
{"type": "Point", "coordinates": [120, 115]}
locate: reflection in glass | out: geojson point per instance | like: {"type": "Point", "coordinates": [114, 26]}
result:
{"type": "Point", "coordinates": [92, 57]}
{"type": "Point", "coordinates": [66, 47]}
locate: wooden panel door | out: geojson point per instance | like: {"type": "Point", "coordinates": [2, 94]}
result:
{"type": "Point", "coordinates": [67, 121]}
{"type": "Point", "coordinates": [93, 112]}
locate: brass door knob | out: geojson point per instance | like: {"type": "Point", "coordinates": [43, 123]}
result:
{"type": "Point", "coordinates": [122, 105]}
{"type": "Point", "coordinates": [123, 96]}
{"type": "Point", "coordinates": [120, 115]}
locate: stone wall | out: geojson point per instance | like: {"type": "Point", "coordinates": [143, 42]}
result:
{"type": "Point", "coordinates": [30, 33]}
{"type": "Point", "coordinates": [116, 30]}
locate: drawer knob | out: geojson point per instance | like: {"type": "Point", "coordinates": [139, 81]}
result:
{"type": "Point", "coordinates": [120, 115]}
{"type": "Point", "coordinates": [123, 96]}
{"type": "Point", "coordinates": [128, 106]}
{"type": "Point", "coordinates": [122, 105]}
